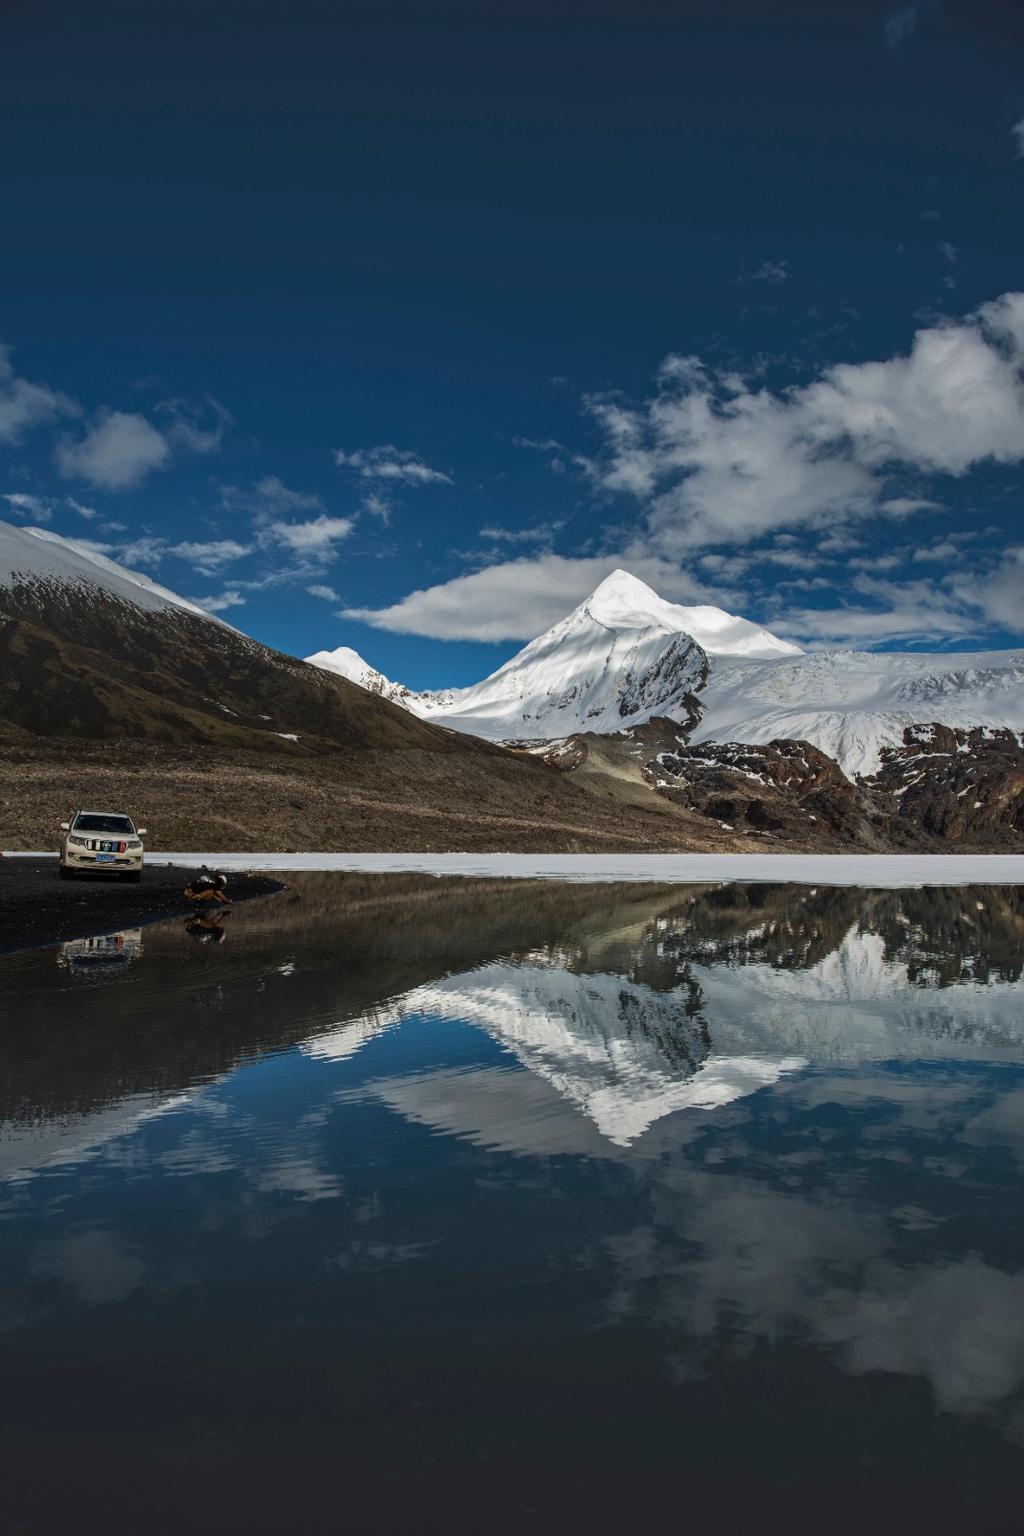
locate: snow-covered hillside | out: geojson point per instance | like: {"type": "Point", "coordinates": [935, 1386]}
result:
{"type": "Point", "coordinates": [626, 656]}
{"type": "Point", "coordinates": [44, 562]}
{"type": "Point", "coordinates": [851, 704]}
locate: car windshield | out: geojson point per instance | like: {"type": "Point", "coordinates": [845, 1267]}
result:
{"type": "Point", "coordinates": [93, 821]}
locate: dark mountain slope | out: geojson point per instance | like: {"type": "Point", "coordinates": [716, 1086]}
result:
{"type": "Point", "coordinates": [120, 694]}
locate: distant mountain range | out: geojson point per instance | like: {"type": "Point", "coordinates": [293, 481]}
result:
{"type": "Point", "coordinates": [634, 723]}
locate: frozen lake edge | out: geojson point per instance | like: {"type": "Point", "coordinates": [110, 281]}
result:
{"type": "Point", "coordinates": [870, 870]}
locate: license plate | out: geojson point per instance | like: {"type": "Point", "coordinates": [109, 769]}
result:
{"type": "Point", "coordinates": [104, 858]}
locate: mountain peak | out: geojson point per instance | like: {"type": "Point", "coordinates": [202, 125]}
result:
{"type": "Point", "coordinates": [624, 601]}
{"type": "Point", "coordinates": [623, 583]}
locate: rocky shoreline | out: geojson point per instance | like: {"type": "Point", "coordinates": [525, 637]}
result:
{"type": "Point", "coordinates": [37, 908]}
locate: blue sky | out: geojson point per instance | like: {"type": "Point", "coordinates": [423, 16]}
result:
{"type": "Point", "coordinates": [398, 325]}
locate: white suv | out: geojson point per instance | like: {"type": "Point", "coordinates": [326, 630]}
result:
{"type": "Point", "coordinates": [105, 841]}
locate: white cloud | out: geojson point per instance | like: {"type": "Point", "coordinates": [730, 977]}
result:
{"type": "Point", "coordinates": [327, 593]}
{"type": "Point", "coordinates": [24, 405]}
{"type": "Point", "coordinates": [83, 511]}
{"type": "Point", "coordinates": [22, 504]}
{"type": "Point", "coordinates": [900, 612]}
{"type": "Point", "coordinates": [378, 506]}
{"type": "Point", "coordinates": [518, 599]}
{"type": "Point", "coordinates": [715, 460]}
{"type": "Point", "coordinates": [272, 505]}
{"type": "Point", "coordinates": [116, 454]}
{"type": "Point", "coordinates": [209, 558]}
{"type": "Point", "coordinates": [906, 506]}
{"type": "Point", "coordinates": [220, 602]}
{"type": "Point", "coordinates": [900, 24]}
{"type": "Point", "coordinates": [316, 537]}
{"type": "Point", "coordinates": [390, 463]}
{"type": "Point", "coordinates": [1018, 133]}
{"type": "Point", "coordinates": [999, 593]}
{"type": "Point", "coordinates": [147, 549]}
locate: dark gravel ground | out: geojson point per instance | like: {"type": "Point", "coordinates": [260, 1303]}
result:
{"type": "Point", "coordinates": [37, 907]}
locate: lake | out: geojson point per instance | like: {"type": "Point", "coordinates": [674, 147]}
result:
{"type": "Point", "coordinates": [397, 1203]}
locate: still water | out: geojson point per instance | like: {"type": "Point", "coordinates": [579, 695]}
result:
{"type": "Point", "coordinates": [406, 1204]}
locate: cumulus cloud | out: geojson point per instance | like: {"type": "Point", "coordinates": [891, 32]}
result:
{"type": "Point", "coordinates": [24, 405]}
{"type": "Point", "coordinates": [387, 462]}
{"type": "Point", "coordinates": [273, 508]}
{"type": "Point", "coordinates": [116, 454]}
{"type": "Point", "coordinates": [714, 460]}
{"type": "Point", "coordinates": [328, 594]}
{"type": "Point", "coordinates": [22, 504]}
{"type": "Point", "coordinates": [517, 599]}
{"type": "Point", "coordinates": [1018, 133]}
{"type": "Point", "coordinates": [316, 538]}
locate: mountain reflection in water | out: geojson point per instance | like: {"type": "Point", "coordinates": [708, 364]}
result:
{"type": "Point", "coordinates": [729, 1174]}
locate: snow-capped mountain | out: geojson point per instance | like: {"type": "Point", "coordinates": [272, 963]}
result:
{"type": "Point", "coordinates": [348, 663]}
{"type": "Point", "coordinates": [44, 564]}
{"type": "Point", "coordinates": [622, 657]}
{"type": "Point", "coordinates": [625, 656]}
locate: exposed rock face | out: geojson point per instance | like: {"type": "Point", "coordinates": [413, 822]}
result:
{"type": "Point", "coordinates": [675, 678]}
{"type": "Point", "coordinates": [944, 788]}
{"type": "Point", "coordinates": [953, 787]}
{"type": "Point", "coordinates": [785, 788]}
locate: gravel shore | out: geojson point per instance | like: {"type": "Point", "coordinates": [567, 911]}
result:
{"type": "Point", "coordinates": [37, 907]}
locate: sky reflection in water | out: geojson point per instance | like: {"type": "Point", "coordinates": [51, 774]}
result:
{"type": "Point", "coordinates": [412, 1186]}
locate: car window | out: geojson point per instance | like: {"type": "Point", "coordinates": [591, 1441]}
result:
{"type": "Point", "coordinates": [92, 822]}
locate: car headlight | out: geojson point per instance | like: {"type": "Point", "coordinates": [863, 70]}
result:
{"type": "Point", "coordinates": [76, 842]}
{"type": "Point", "coordinates": [133, 842]}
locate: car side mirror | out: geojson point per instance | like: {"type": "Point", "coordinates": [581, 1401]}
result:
{"type": "Point", "coordinates": [65, 826]}
{"type": "Point", "coordinates": [142, 831]}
